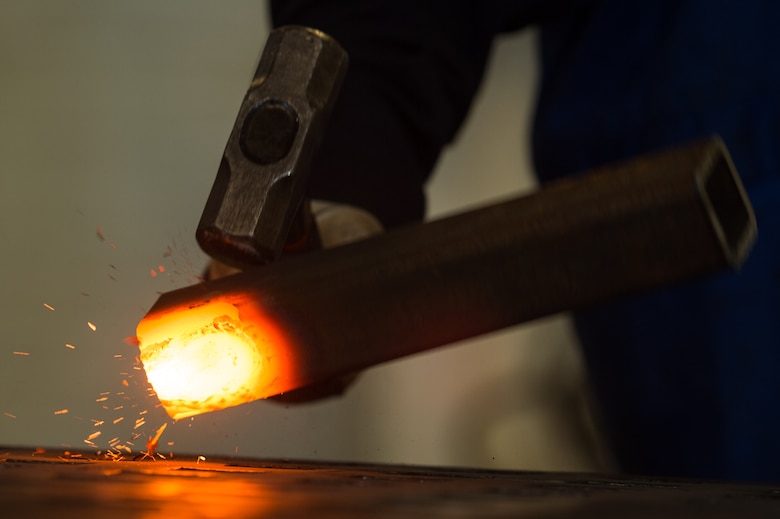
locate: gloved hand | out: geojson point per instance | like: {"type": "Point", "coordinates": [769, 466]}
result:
{"type": "Point", "coordinates": [338, 224]}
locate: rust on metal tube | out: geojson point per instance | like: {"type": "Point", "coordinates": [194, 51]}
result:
{"type": "Point", "coordinates": [577, 242]}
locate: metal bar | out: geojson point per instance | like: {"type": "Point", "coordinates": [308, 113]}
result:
{"type": "Point", "coordinates": [577, 242]}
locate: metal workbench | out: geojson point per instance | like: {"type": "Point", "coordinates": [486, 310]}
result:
{"type": "Point", "coordinates": [54, 484]}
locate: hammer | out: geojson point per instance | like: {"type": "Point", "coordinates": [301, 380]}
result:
{"type": "Point", "coordinates": [256, 207]}
{"type": "Point", "coordinates": [326, 314]}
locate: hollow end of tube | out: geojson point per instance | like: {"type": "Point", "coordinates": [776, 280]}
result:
{"type": "Point", "coordinates": [728, 207]}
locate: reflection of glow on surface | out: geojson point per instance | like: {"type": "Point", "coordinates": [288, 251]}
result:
{"type": "Point", "coordinates": [205, 496]}
{"type": "Point", "coordinates": [210, 356]}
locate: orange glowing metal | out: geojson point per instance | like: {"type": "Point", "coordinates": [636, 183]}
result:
{"type": "Point", "coordinates": [213, 355]}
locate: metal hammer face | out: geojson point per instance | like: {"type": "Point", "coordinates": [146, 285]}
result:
{"type": "Point", "coordinates": [260, 185]}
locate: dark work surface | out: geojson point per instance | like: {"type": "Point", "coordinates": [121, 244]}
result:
{"type": "Point", "coordinates": [55, 484]}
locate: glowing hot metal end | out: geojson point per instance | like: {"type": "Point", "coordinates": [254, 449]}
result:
{"type": "Point", "coordinates": [210, 356]}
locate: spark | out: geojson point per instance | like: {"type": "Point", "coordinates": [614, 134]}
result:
{"type": "Point", "coordinates": [23, 353]}
{"type": "Point", "coordinates": [152, 442]}
{"type": "Point", "coordinates": [98, 423]}
{"type": "Point", "coordinates": [161, 268]}
{"type": "Point", "coordinates": [119, 420]}
{"type": "Point", "coordinates": [117, 408]}
{"type": "Point", "coordinates": [125, 383]}
{"type": "Point", "coordinates": [9, 415]}
{"type": "Point", "coordinates": [47, 305]}
{"type": "Point", "coordinates": [115, 456]}
{"type": "Point", "coordinates": [118, 356]}
{"type": "Point", "coordinates": [68, 345]}
{"type": "Point", "coordinates": [94, 435]}
{"type": "Point", "coordinates": [153, 273]}
{"type": "Point", "coordinates": [99, 233]}
{"type": "Point", "coordinates": [102, 399]}
{"type": "Point", "coordinates": [61, 411]}
{"type": "Point", "coordinates": [67, 455]}
{"type": "Point", "coordinates": [90, 443]}
{"type": "Point", "coordinates": [131, 340]}
{"type": "Point", "coordinates": [200, 458]}
{"type": "Point", "coordinates": [91, 326]}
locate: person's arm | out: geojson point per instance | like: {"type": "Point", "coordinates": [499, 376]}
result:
{"type": "Point", "coordinates": [414, 69]}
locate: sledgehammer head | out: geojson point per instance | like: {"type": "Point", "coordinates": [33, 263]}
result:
{"type": "Point", "coordinates": [261, 180]}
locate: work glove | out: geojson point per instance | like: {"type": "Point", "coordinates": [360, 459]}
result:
{"type": "Point", "coordinates": [337, 224]}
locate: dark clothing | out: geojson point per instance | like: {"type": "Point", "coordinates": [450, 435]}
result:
{"type": "Point", "coordinates": [686, 377]}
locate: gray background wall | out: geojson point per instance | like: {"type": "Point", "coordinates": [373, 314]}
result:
{"type": "Point", "coordinates": [113, 117]}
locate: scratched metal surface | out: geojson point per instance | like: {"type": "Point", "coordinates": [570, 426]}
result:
{"type": "Point", "coordinates": [51, 484]}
